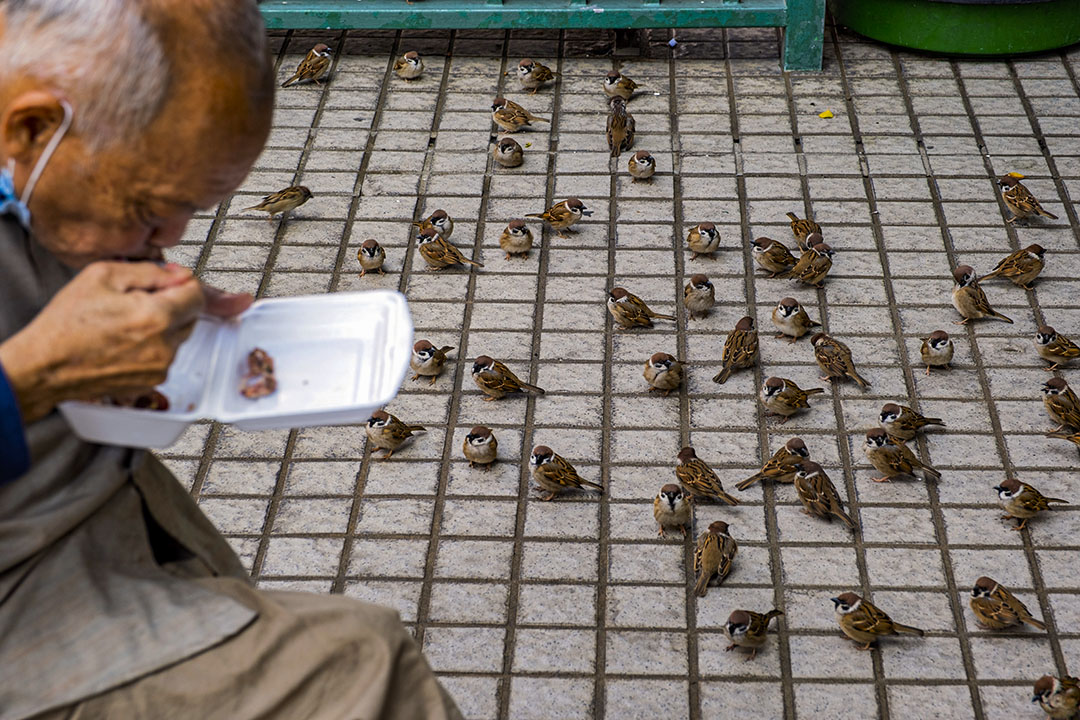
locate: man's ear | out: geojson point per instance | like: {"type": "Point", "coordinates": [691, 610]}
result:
{"type": "Point", "coordinates": [27, 123]}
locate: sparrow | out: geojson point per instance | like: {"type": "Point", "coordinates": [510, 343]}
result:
{"type": "Point", "coordinates": [259, 381]}
{"type": "Point", "coordinates": [772, 256]}
{"type": "Point", "coordinates": [371, 256]}
{"type": "Point", "coordinates": [630, 311]}
{"type": "Point", "coordinates": [618, 85]}
{"type": "Point", "coordinates": [894, 459]}
{"type": "Point", "coordinates": [671, 509]}
{"type": "Point", "coordinates": [533, 75]}
{"type": "Point", "coordinates": [516, 239]}
{"type": "Point", "coordinates": [439, 253]}
{"type": "Point", "coordinates": [748, 629]}
{"type": "Point", "coordinates": [969, 299]}
{"type": "Point", "coordinates": [713, 556]}
{"type": "Point", "coordinates": [902, 422]}
{"type": "Point", "coordinates": [1022, 502]}
{"type": "Point", "coordinates": [663, 372]}
{"type": "Point", "coordinates": [553, 474]}
{"type": "Point", "coordinates": [1053, 348]}
{"type": "Point", "coordinates": [409, 66]}
{"type": "Point", "coordinates": [620, 127]}
{"type": "Point", "coordinates": [428, 360]}
{"type": "Point", "coordinates": [784, 398]}
{"type": "Point", "coordinates": [1059, 699]}
{"type": "Point", "coordinates": [740, 349]}
{"type": "Point", "coordinates": [1021, 267]}
{"type": "Point", "coordinates": [563, 214]}
{"type": "Point", "coordinates": [834, 359]}
{"type": "Point", "coordinates": [698, 479]}
{"type": "Point", "coordinates": [937, 350]}
{"type": "Point", "coordinates": [440, 221]}
{"type": "Point", "coordinates": [507, 152]}
{"type": "Point", "coordinates": [703, 239]}
{"type": "Point", "coordinates": [1019, 199]}
{"type": "Point", "coordinates": [791, 319]}
{"type": "Point", "coordinates": [812, 266]}
{"type": "Point", "coordinates": [782, 466]}
{"type": "Point", "coordinates": [1061, 404]}
{"type": "Point", "coordinates": [699, 295]}
{"type": "Point", "coordinates": [386, 432]}
{"type": "Point", "coordinates": [480, 447]}
{"type": "Point", "coordinates": [312, 67]}
{"type": "Point", "coordinates": [818, 494]}
{"type": "Point", "coordinates": [802, 229]}
{"type": "Point", "coordinates": [283, 201]}
{"type": "Point", "coordinates": [510, 116]}
{"type": "Point", "coordinates": [496, 381]}
{"type": "Point", "coordinates": [996, 608]}
{"type": "Point", "coordinates": [864, 623]}
{"type": "Point", "coordinates": [641, 165]}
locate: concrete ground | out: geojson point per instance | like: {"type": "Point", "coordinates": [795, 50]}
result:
{"type": "Point", "coordinates": [574, 608]}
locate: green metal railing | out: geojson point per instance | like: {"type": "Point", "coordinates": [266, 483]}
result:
{"type": "Point", "coordinates": [802, 20]}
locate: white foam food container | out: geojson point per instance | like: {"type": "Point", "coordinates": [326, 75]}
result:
{"type": "Point", "coordinates": [337, 357]}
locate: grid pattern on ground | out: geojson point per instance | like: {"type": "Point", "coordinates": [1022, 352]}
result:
{"type": "Point", "coordinates": [575, 608]}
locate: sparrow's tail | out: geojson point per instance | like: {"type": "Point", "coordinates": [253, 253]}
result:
{"type": "Point", "coordinates": [589, 483]}
{"type": "Point", "coordinates": [472, 262]}
{"type": "Point", "coordinates": [991, 274]}
{"type": "Point", "coordinates": [859, 379]}
{"type": "Point", "coordinates": [702, 586]}
{"type": "Point", "coordinates": [725, 498]}
{"type": "Point", "coordinates": [446, 348]}
{"type": "Point", "coordinates": [844, 517]}
{"type": "Point", "coordinates": [1045, 213]}
{"type": "Point", "coordinates": [535, 390]}
{"type": "Point", "coordinates": [1057, 500]}
{"type": "Point", "coordinates": [927, 470]}
{"type": "Point", "coordinates": [815, 323]}
{"type": "Point", "coordinates": [999, 316]}
{"type": "Point", "coordinates": [415, 428]}
{"type": "Point", "coordinates": [722, 376]}
{"type": "Point", "coordinates": [1071, 437]}
{"type": "Point", "coordinates": [814, 391]}
{"type": "Point", "coordinates": [793, 217]}
{"type": "Point", "coordinates": [291, 80]}
{"type": "Point", "coordinates": [772, 614]}
{"type": "Point", "coordinates": [537, 215]}
{"type": "Point", "coordinates": [658, 316]}
{"type": "Point", "coordinates": [1033, 622]}
{"type": "Point", "coordinates": [933, 421]}
{"type": "Point", "coordinates": [538, 119]}
{"type": "Point", "coordinates": [907, 629]}
{"type": "Point", "coordinates": [750, 481]}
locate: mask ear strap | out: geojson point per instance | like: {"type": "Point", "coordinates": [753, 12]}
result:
{"type": "Point", "coordinates": [35, 174]}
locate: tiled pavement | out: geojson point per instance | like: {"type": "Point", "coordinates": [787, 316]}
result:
{"type": "Point", "coordinates": [574, 609]}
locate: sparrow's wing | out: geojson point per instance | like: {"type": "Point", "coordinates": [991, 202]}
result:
{"type": "Point", "coordinates": [1068, 410]}
{"type": "Point", "coordinates": [809, 491]}
{"type": "Point", "coordinates": [698, 477]}
{"type": "Point", "coordinates": [978, 297]}
{"type": "Point", "coordinates": [727, 557]}
{"type": "Point", "coordinates": [542, 72]}
{"type": "Point", "coordinates": [400, 63]}
{"type": "Point", "coordinates": [1011, 603]}
{"type": "Point", "coordinates": [740, 348]}
{"type": "Point", "coordinates": [832, 359]}
{"type": "Point", "coordinates": [707, 552]}
{"type": "Point", "coordinates": [1065, 348]}
{"type": "Point", "coordinates": [872, 620]}
{"type": "Point", "coordinates": [1023, 199]}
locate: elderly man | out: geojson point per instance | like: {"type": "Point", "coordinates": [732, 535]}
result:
{"type": "Point", "coordinates": [118, 599]}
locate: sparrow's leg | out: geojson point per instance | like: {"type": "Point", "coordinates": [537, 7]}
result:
{"type": "Point", "coordinates": [961, 322]}
{"type": "Point", "coordinates": [389, 452]}
{"type": "Point", "coordinates": [381, 271]}
{"type": "Point", "coordinates": [488, 398]}
{"type": "Point", "coordinates": [1021, 525]}
{"type": "Point", "coordinates": [693, 255]}
{"type": "Point", "coordinates": [752, 655]}
{"type": "Point", "coordinates": [507, 256]}
{"type": "Point", "coordinates": [472, 464]}
{"type": "Point", "coordinates": [683, 529]}
{"type": "Point", "coordinates": [882, 479]}
{"type": "Point", "coordinates": [363, 272]}
{"type": "Point", "coordinates": [730, 647]}
{"type": "Point", "coordinates": [433, 379]}
{"type": "Point", "coordinates": [928, 371]}
{"type": "Point", "coordinates": [784, 419]}
{"type": "Point", "coordinates": [551, 496]}
{"type": "Point", "coordinates": [661, 533]}
{"type": "Point", "coordinates": [1052, 368]}
{"type": "Point", "coordinates": [866, 646]}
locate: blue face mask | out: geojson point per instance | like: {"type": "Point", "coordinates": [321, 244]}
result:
{"type": "Point", "coordinates": [15, 205]}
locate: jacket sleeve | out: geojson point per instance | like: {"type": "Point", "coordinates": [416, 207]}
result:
{"type": "Point", "coordinates": [14, 453]}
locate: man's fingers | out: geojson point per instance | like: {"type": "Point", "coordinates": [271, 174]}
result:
{"type": "Point", "coordinates": [126, 276]}
{"type": "Point", "coordinates": [224, 304]}
{"type": "Point", "coordinates": [183, 303]}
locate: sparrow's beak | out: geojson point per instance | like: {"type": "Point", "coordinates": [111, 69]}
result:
{"type": "Point", "coordinates": [835, 601]}
{"type": "Point", "coordinates": [586, 212]}
{"type": "Point", "coordinates": [998, 488]}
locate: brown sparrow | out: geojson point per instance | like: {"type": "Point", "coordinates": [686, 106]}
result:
{"type": "Point", "coordinates": [740, 349]}
{"type": "Point", "coordinates": [813, 266]}
{"type": "Point", "coordinates": [714, 556]}
{"type": "Point", "coordinates": [496, 381]}
{"type": "Point", "coordinates": [1021, 267]}
{"type": "Point", "coordinates": [439, 221]}
{"type": "Point", "coordinates": [516, 239]}
{"type": "Point", "coordinates": [784, 398]}
{"type": "Point", "coordinates": [698, 479]}
{"type": "Point", "coordinates": [699, 295]}
{"type": "Point", "coordinates": [371, 257]}
{"type": "Point", "coordinates": [663, 372]}
{"type": "Point", "coordinates": [782, 466]}
{"type": "Point", "coordinates": [1054, 348]}
{"type": "Point", "coordinates": [480, 447]}
{"type": "Point", "coordinates": [630, 311]}
{"type": "Point", "coordinates": [996, 608]}
{"type": "Point", "coordinates": [439, 253]}
{"type": "Point", "coordinates": [1059, 699]}
{"type": "Point", "coordinates": [894, 459]}
{"type": "Point", "coordinates": [532, 75]}
{"type": "Point", "coordinates": [283, 201]}
{"type": "Point", "coordinates": [802, 229]}
{"type": "Point", "coordinates": [409, 66]}
{"type": "Point", "coordinates": [703, 239]}
{"type": "Point", "coordinates": [772, 256]}
{"type": "Point", "coordinates": [902, 422]}
{"type": "Point", "coordinates": [507, 152]}
{"type": "Point", "coordinates": [818, 494]}
{"type": "Point", "coordinates": [748, 630]}
{"type": "Point", "coordinates": [312, 67]}
{"type": "Point", "coordinates": [563, 214]}
{"type": "Point", "coordinates": [865, 623]}
{"type": "Point", "coordinates": [1022, 502]}
{"type": "Point", "coordinates": [428, 360]}
{"type": "Point", "coordinates": [386, 432]}
{"type": "Point", "coordinates": [620, 127]}
{"type": "Point", "coordinates": [671, 509]}
{"type": "Point", "coordinates": [1061, 403]}
{"type": "Point", "coordinates": [641, 165]}
{"type": "Point", "coordinates": [553, 474]}
{"type": "Point", "coordinates": [969, 299]}
{"type": "Point", "coordinates": [618, 85]}
{"type": "Point", "coordinates": [937, 350]}
{"type": "Point", "coordinates": [1019, 199]}
{"type": "Point", "coordinates": [510, 116]}
{"type": "Point", "coordinates": [834, 359]}
{"type": "Point", "coordinates": [791, 319]}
